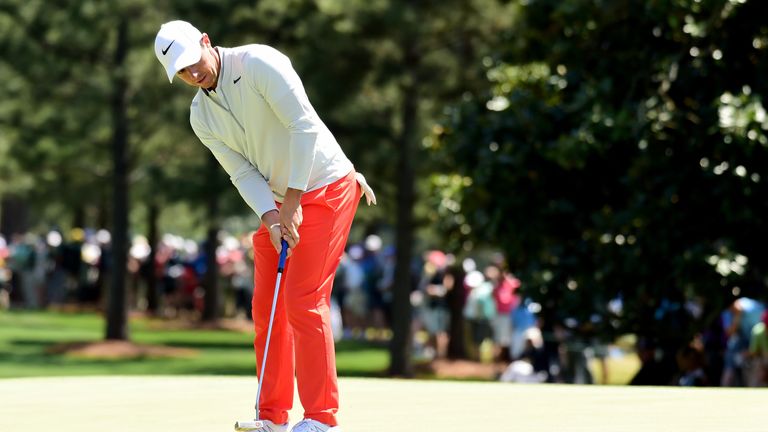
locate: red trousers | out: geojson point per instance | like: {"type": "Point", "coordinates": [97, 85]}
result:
{"type": "Point", "coordinates": [302, 342]}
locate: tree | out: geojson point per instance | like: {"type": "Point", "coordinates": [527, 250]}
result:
{"type": "Point", "coordinates": [435, 39]}
{"type": "Point", "coordinates": [613, 155]}
{"type": "Point", "coordinates": [66, 66]}
{"type": "Point", "coordinates": [117, 314]}
{"type": "Point", "coordinates": [371, 70]}
{"type": "Point", "coordinates": [51, 145]}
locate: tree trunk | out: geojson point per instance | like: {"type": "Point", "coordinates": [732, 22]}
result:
{"type": "Point", "coordinates": [78, 216]}
{"type": "Point", "coordinates": [13, 216]}
{"type": "Point", "coordinates": [117, 317]}
{"type": "Point", "coordinates": [456, 346]}
{"type": "Point", "coordinates": [153, 297]}
{"type": "Point", "coordinates": [210, 282]}
{"type": "Point", "coordinates": [400, 349]}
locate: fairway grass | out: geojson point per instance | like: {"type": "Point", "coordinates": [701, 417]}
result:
{"type": "Point", "coordinates": [208, 404]}
{"type": "Point", "coordinates": [26, 337]}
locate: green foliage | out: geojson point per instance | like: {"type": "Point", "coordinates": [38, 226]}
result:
{"type": "Point", "coordinates": [615, 153]}
{"type": "Point", "coordinates": [611, 148]}
{"type": "Point", "coordinates": [57, 66]}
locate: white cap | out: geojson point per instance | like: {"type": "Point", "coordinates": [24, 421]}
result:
{"type": "Point", "coordinates": [177, 45]}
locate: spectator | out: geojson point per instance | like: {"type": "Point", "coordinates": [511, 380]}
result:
{"type": "Point", "coordinates": [23, 260]}
{"type": "Point", "coordinates": [504, 288]}
{"type": "Point", "coordinates": [354, 307]}
{"type": "Point", "coordinates": [242, 285]}
{"type": "Point", "coordinates": [652, 372]}
{"type": "Point", "coordinates": [434, 307]}
{"type": "Point", "coordinates": [523, 319]}
{"type": "Point", "coordinates": [56, 275]}
{"type": "Point", "coordinates": [372, 274]}
{"type": "Point", "coordinates": [758, 351]}
{"type": "Point", "coordinates": [72, 260]}
{"type": "Point", "coordinates": [738, 321]}
{"type": "Point", "coordinates": [5, 275]}
{"type": "Point", "coordinates": [479, 310]}
{"type": "Point", "coordinates": [690, 361]}
{"type": "Point", "coordinates": [713, 341]}
{"type": "Point", "coordinates": [386, 283]}
{"type": "Point", "coordinates": [533, 365]}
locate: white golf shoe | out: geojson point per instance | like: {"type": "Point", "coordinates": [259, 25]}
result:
{"type": "Point", "coordinates": [261, 426]}
{"type": "Point", "coordinates": [309, 425]}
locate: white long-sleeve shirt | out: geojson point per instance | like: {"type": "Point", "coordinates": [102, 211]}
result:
{"type": "Point", "coordinates": [260, 126]}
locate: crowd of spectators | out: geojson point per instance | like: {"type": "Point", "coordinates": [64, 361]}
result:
{"type": "Point", "coordinates": [498, 323]}
{"type": "Point", "coordinates": [71, 270]}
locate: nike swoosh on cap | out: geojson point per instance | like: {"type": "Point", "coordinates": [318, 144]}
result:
{"type": "Point", "coordinates": [238, 79]}
{"type": "Point", "coordinates": [165, 51]}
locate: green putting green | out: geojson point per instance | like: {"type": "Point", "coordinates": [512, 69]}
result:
{"type": "Point", "coordinates": [211, 403]}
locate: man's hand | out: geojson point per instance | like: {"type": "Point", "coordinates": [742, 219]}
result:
{"type": "Point", "coordinates": [291, 217]}
{"type": "Point", "coordinates": [272, 221]}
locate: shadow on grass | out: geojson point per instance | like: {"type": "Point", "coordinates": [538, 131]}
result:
{"type": "Point", "coordinates": [203, 345]}
{"type": "Point", "coordinates": [200, 345]}
{"type": "Point", "coordinates": [33, 354]}
{"type": "Point", "coordinates": [341, 347]}
{"type": "Point", "coordinates": [251, 371]}
{"type": "Point", "coordinates": [64, 366]}
{"type": "Point", "coordinates": [354, 346]}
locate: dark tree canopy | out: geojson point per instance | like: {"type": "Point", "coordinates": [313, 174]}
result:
{"type": "Point", "coordinates": [618, 154]}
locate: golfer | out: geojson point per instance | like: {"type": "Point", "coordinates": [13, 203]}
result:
{"type": "Point", "coordinates": [253, 114]}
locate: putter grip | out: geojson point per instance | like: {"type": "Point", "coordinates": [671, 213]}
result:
{"type": "Point", "coordinates": [283, 256]}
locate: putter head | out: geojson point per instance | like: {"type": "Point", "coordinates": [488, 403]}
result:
{"type": "Point", "coordinates": [249, 425]}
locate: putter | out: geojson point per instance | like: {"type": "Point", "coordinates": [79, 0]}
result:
{"type": "Point", "coordinates": [256, 423]}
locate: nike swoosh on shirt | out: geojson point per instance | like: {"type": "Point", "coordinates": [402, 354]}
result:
{"type": "Point", "coordinates": [165, 51]}
{"type": "Point", "coordinates": [238, 79]}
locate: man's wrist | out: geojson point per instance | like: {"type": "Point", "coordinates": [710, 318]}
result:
{"type": "Point", "coordinates": [270, 218]}
{"type": "Point", "coordinates": [293, 195]}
